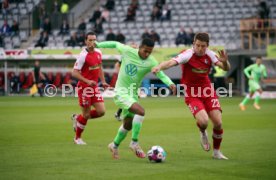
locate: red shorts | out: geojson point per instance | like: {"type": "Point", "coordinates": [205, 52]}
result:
{"type": "Point", "coordinates": [87, 97]}
{"type": "Point", "coordinates": [196, 104]}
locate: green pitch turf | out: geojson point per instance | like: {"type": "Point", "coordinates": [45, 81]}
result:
{"type": "Point", "coordinates": [36, 142]}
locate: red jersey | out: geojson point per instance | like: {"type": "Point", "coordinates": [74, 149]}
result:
{"type": "Point", "coordinates": [196, 68]}
{"type": "Point", "coordinates": [89, 64]}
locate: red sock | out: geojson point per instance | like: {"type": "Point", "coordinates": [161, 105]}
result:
{"type": "Point", "coordinates": [217, 138]}
{"type": "Point", "coordinates": [113, 80]}
{"type": "Point", "coordinates": [94, 114]}
{"type": "Point", "coordinates": [81, 122]}
{"type": "Point", "coordinates": [200, 128]}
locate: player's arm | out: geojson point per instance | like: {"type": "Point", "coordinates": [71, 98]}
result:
{"type": "Point", "coordinates": [102, 78]}
{"type": "Point", "coordinates": [247, 71]}
{"type": "Point", "coordinates": [182, 58]}
{"type": "Point", "coordinates": [112, 44]}
{"type": "Point", "coordinates": [164, 65]}
{"type": "Point", "coordinates": [223, 62]}
{"type": "Point", "coordinates": [166, 80]}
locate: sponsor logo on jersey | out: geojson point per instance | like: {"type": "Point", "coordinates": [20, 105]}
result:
{"type": "Point", "coordinates": [94, 67]}
{"type": "Point", "coordinates": [201, 71]}
{"type": "Point", "coordinates": [131, 69]}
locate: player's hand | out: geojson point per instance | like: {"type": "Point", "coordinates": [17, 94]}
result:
{"type": "Point", "coordinates": [173, 89]}
{"type": "Point", "coordinates": [105, 85]}
{"type": "Point", "coordinates": [155, 69]}
{"type": "Point", "coordinates": [91, 83]}
{"type": "Point", "coordinates": [223, 56]}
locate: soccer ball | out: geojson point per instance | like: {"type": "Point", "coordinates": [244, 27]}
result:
{"type": "Point", "coordinates": [156, 154]}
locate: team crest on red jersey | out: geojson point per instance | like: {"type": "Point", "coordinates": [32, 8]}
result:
{"type": "Point", "coordinates": [206, 61]}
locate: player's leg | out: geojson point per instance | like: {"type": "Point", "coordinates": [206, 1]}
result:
{"type": "Point", "coordinates": [216, 118]}
{"type": "Point", "coordinates": [198, 110]}
{"type": "Point", "coordinates": [245, 100]}
{"type": "Point", "coordinates": [257, 99]}
{"type": "Point", "coordinates": [123, 130]}
{"type": "Point", "coordinates": [97, 102]}
{"type": "Point", "coordinates": [98, 111]}
{"type": "Point", "coordinates": [202, 123]}
{"type": "Point", "coordinates": [39, 89]}
{"type": "Point", "coordinates": [80, 122]}
{"type": "Point", "coordinates": [123, 101]}
{"type": "Point", "coordinates": [138, 118]}
{"type": "Point", "coordinates": [121, 135]}
{"type": "Point", "coordinates": [242, 105]}
{"type": "Point", "coordinates": [137, 121]}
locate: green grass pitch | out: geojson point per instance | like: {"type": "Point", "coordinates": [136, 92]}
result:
{"type": "Point", "coordinates": [36, 142]}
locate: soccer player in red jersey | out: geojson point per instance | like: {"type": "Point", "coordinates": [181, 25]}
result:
{"type": "Point", "coordinates": [203, 104]}
{"type": "Point", "coordinates": [88, 69]}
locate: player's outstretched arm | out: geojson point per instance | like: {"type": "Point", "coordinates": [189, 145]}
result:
{"type": "Point", "coordinates": [111, 44]}
{"type": "Point", "coordinates": [166, 80]}
{"type": "Point", "coordinates": [163, 66]}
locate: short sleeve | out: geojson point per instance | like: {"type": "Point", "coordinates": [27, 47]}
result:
{"type": "Point", "coordinates": [184, 57]}
{"type": "Point", "coordinates": [79, 62]}
{"type": "Point", "coordinates": [213, 56]}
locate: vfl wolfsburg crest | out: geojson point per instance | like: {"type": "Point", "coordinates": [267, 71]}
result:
{"type": "Point", "coordinates": [131, 69]}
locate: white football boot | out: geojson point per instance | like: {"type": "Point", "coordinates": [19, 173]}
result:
{"type": "Point", "coordinates": [137, 150]}
{"type": "Point", "coordinates": [217, 154]}
{"type": "Point", "coordinates": [79, 141]}
{"type": "Point", "coordinates": [114, 150]}
{"type": "Point", "coordinates": [256, 106]}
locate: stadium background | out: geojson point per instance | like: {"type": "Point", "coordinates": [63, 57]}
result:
{"type": "Point", "coordinates": [36, 133]}
{"type": "Point", "coordinates": [232, 25]}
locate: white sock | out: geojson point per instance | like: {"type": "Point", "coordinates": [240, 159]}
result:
{"type": "Point", "coordinates": [122, 129]}
{"type": "Point", "coordinates": [133, 142]}
{"type": "Point", "coordinates": [138, 119]}
{"type": "Point", "coordinates": [216, 151]}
